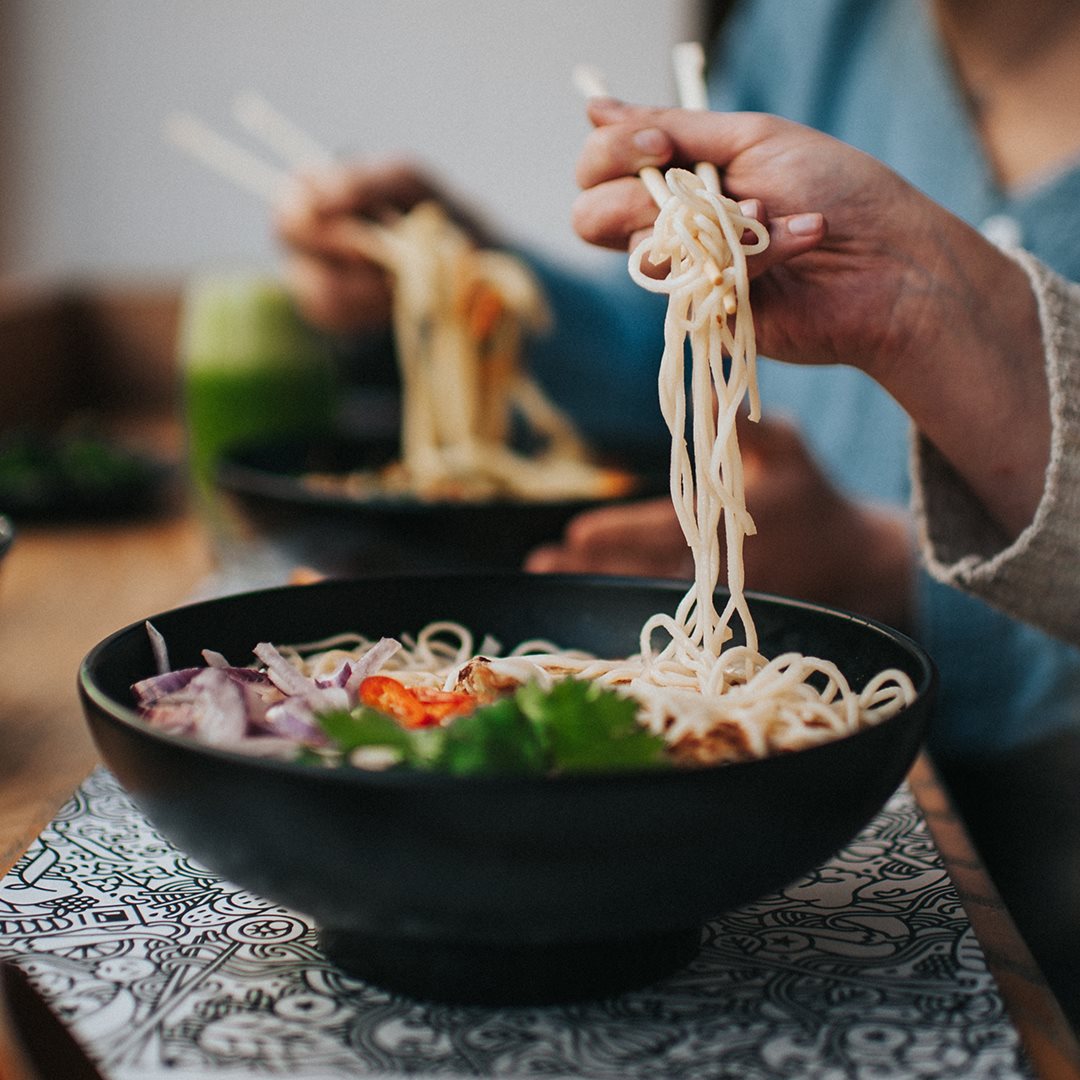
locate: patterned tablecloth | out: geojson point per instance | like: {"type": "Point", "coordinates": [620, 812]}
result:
{"type": "Point", "coordinates": [867, 968]}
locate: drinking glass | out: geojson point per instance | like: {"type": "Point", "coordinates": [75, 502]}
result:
{"type": "Point", "coordinates": [251, 369]}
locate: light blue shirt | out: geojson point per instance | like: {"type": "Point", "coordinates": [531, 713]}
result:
{"type": "Point", "coordinates": [873, 73]}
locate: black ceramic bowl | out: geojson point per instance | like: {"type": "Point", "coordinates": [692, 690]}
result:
{"type": "Point", "coordinates": [80, 476]}
{"type": "Point", "coordinates": [7, 535]}
{"type": "Point", "coordinates": [340, 535]}
{"type": "Point", "coordinates": [495, 889]}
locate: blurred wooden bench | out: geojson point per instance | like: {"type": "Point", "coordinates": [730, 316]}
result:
{"type": "Point", "coordinates": [108, 350]}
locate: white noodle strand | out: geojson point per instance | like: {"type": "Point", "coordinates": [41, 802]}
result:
{"type": "Point", "coordinates": [712, 698]}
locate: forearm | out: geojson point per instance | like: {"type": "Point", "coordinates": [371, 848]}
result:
{"type": "Point", "coordinates": [1035, 577]}
{"type": "Point", "coordinates": [972, 376]}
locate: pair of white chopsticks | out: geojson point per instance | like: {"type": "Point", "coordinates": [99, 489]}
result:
{"type": "Point", "coordinates": [266, 180]}
{"type": "Point", "coordinates": [688, 60]}
{"type": "Point", "coordinates": [296, 149]}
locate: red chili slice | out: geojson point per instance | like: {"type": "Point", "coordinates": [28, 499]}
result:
{"type": "Point", "coordinates": [413, 706]}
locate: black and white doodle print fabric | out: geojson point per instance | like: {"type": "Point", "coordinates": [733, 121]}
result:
{"type": "Point", "coordinates": [868, 967]}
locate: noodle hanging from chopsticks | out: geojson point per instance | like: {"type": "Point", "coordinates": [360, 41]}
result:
{"type": "Point", "coordinates": [711, 699]}
{"type": "Point", "coordinates": [460, 314]}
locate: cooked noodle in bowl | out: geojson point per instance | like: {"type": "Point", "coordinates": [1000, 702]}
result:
{"type": "Point", "coordinates": [470, 446]}
{"type": "Point", "coordinates": [462, 314]}
{"type": "Point", "coordinates": [492, 883]}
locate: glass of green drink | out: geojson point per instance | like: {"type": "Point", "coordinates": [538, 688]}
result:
{"type": "Point", "coordinates": [251, 369]}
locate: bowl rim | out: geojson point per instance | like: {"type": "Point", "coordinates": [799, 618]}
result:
{"type": "Point", "coordinates": [240, 478]}
{"type": "Point", "coordinates": [119, 712]}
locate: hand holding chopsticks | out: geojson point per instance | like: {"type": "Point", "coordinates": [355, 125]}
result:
{"type": "Point", "coordinates": [688, 60]}
{"type": "Point", "coordinates": [270, 181]}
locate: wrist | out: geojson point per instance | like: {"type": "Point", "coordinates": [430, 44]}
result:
{"type": "Point", "coordinates": [972, 374]}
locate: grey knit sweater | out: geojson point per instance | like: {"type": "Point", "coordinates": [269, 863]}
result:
{"type": "Point", "coordinates": [1035, 578]}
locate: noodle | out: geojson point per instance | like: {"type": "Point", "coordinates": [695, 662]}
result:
{"type": "Point", "coordinates": [460, 314]}
{"type": "Point", "coordinates": [711, 699]}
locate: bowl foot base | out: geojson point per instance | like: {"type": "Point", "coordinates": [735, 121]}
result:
{"type": "Point", "coordinates": [478, 974]}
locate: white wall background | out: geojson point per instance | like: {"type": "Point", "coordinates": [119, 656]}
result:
{"type": "Point", "coordinates": [479, 89]}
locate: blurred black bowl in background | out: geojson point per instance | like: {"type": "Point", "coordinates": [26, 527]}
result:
{"type": "Point", "coordinates": [80, 475]}
{"type": "Point", "coordinates": [341, 535]}
{"type": "Point", "coordinates": [7, 536]}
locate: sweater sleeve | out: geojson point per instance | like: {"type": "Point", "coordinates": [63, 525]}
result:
{"type": "Point", "coordinates": [1036, 577]}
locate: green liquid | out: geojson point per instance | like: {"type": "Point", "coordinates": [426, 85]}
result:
{"type": "Point", "coordinates": [226, 405]}
{"type": "Point", "coordinates": [252, 370]}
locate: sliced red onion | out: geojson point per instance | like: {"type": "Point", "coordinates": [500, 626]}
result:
{"type": "Point", "coordinates": [174, 717]}
{"type": "Point", "coordinates": [218, 711]}
{"type": "Point", "coordinates": [258, 698]}
{"type": "Point", "coordinates": [158, 647]}
{"type": "Point", "coordinates": [269, 712]}
{"type": "Point", "coordinates": [295, 716]}
{"type": "Point", "coordinates": [370, 663]}
{"type": "Point", "coordinates": [157, 687]}
{"type": "Point", "coordinates": [293, 719]}
{"type": "Point", "coordinates": [282, 674]}
{"type": "Point", "coordinates": [338, 677]}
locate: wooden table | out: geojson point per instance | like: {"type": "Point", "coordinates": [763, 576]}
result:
{"type": "Point", "coordinates": [63, 588]}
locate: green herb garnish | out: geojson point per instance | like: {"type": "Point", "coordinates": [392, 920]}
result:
{"type": "Point", "coordinates": [573, 727]}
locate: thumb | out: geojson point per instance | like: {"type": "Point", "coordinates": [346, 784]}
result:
{"type": "Point", "coordinates": [789, 236]}
{"type": "Point", "coordinates": [699, 135]}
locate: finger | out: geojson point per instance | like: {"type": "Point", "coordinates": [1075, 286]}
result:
{"type": "Point", "coordinates": [295, 215]}
{"type": "Point", "coordinates": [552, 559]}
{"type": "Point", "coordinates": [640, 539]}
{"type": "Point", "coordinates": [752, 208]}
{"type": "Point", "coordinates": [338, 238]}
{"type": "Point", "coordinates": [610, 214]}
{"type": "Point", "coordinates": [647, 528]}
{"type": "Point", "coordinates": [770, 438]}
{"type": "Point", "coordinates": [695, 134]}
{"type": "Point", "coordinates": [561, 559]}
{"type": "Point", "coordinates": [788, 237]}
{"type": "Point", "coordinates": [335, 299]}
{"type": "Point", "coordinates": [776, 459]}
{"type": "Point", "coordinates": [370, 188]}
{"type": "Point", "coordinates": [313, 204]}
{"type": "Point", "coordinates": [331, 240]}
{"type": "Point", "coordinates": [622, 150]}
{"type": "Point", "coordinates": [557, 559]}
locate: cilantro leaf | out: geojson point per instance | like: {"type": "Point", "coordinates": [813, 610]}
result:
{"type": "Point", "coordinates": [366, 727]}
{"type": "Point", "coordinates": [586, 727]}
{"type": "Point", "coordinates": [574, 726]}
{"type": "Point", "coordinates": [495, 739]}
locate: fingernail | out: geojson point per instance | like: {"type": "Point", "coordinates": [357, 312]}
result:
{"type": "Point", "coordinates": [652, 141]}
{"type": "Point", "coordinates": [805, 224]}
{"type": "Point", "coordinates": [608, 103]}
{"type": "Point", "coordinates": [751, 208]}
